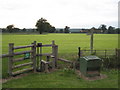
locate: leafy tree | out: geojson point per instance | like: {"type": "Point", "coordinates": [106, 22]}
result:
{"type": "Point", "coordinates": [24, 30]}
{"type": "Point", "coordinates": [43, 26]}
{"type": "Point", "coordinates": [111, 30]}
{"type": "Point", "coordinates": [16, 29]}
{"type": "Point", "coordinates": [40, 25]}
{"type": "Point", "coordinates": [61, 30]}
{"type": "Point", "coordinates": [103, 28]}
{"type": "Point", "coordinates": [66, 29]}
{"type": "Point", "coordinates": [4, 30]}
{"type": "Point", "coordinates": [52, 29]}
{"type": "Point", "coordinates": [117, 30]}
{"type": "Point", "coordinates": [10, 28]}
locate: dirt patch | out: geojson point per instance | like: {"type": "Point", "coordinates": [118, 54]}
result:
{"type": "Point", "coordinates": [102, 76]}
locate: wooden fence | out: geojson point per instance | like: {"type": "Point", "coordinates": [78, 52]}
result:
{"type": "Point", "coordinates": [35, 60]}
{"type": "Point", "coordinates": [36, 51]}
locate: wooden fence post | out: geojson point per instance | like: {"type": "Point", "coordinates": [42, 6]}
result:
{"type": "Point", "coordinates": [79, 52]}
{"type": "Point", "coordinates": [40, 55]}
{"type": "Point", "coordinates": [34, 56]}
{"type": "Point", "coordinates": [46, 67]}
{"type": "Point", "coordinates": [53, 43]}
{"type": "Point", "coordinates": [48, 58]}
{"type": "Point", "coordinates": [95, 52]}
{"type": "Point", "coordinates": [11, 53]}
{"type": "Point", "coordinates": [56, 55]}
{"type": "Point", "coordinates": [105, 53]}
{"type": "Point", "coordinates": [116, 52]}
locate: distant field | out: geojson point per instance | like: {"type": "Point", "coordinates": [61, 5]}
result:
{"type": "Point", "coordinates": [68, 43]}
{"type": "Point", "coordinates": [68, 47]}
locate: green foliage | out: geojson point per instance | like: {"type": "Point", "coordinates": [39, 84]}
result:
{"type": "Point", "coordinates": [61, 30]}
{"type": "Point", "coordinates": [111, 62]}
{"type": "Point", "coordinates": [111, 30]}
{"type": "Point", "coordinates": [66, 29]}
{"type": "Point", "coordinates": [10, 28]}
{"type": "Point", "coordinates": [43, 26]}
{"type": "Point", "coordinates": [103, 27]}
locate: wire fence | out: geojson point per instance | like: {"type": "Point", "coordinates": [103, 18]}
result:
{"type": "Point", "coordinates": [101, 53]}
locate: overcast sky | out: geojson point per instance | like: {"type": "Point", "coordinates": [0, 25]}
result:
{"type": "Point", "coordinates": [59, 13]}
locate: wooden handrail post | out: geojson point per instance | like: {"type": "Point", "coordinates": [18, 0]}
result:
{"type": "Point", "coordinates": [79, 52]}
{"type": "Point", "coordinates": [46, 67]}
{"type": "Point", "coordinates": [34, 56]}
{"type": "Point", "coordinates": [105, 53]}
{"type": "Point", "coordinates": [116, 51]}
{"type": "Point", "coordinates": [53, 42]}
{"type": "Point", "coordinates": [10, 61]}
{"type": "Point", "coordinates": [40, 57]}
{"type": "Point", "coordinates": [55, 54]}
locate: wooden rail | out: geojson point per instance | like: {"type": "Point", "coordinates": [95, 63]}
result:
{"type": "Point", "coordinates": [23, 52]}
{"type": "Point", "coordinates": [4, 55]}
{"type": "Point", "coordinates": [47, 45]}
{"type": "Point", "coordinates": [64, 60]}
{"type": "Point", "coordinates": [44, 54]}
{"type": "Point", "coordinates": [21, 71]}
{"type": "Point", "coordinates": [19, 59]}
{"type": "Point", "coordinates": [20, 47]}
{"type": "Point", "coordinates": [21, 65]}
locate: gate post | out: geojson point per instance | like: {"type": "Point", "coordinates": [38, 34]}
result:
{"type": "Point", "coordinates": [55, 54]}
{"type": "Point", "coordinates": [34, 55]}
{"type": "Point", "coordinates": [10, 61]}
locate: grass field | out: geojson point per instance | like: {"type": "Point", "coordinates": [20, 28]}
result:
{"type": "Point", "coordinates": [67, 44]}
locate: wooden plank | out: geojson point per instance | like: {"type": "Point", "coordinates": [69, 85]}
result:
{"type": "Point", "coordinates": [21, 65]}
{"type": "Point", "coordinates": [52, 56]}
{"type": "Point", "coordinates": [21, 71]}
{"type": "Point", "coordinates": [47, 45]}
{"type": "Point", "coordinates": [44, 54]}
{"type": "Point", "coordinates": [64, 60]}
{"type": "Point", "coordinates": [19, 59]}
{"type": "Point", "coordinates": [20, 47]}
{"type": "Point", "coordinates": [46, 68]}
{"type": "Point", "coordinates": [23, 52]}
{"type": "Point", "coordinates": [44, 62]}
{"type": "Point", "coordinates": [4, 55]}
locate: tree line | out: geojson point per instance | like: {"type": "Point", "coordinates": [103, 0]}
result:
{"type": "Point", "coordinates": [43, 26]}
